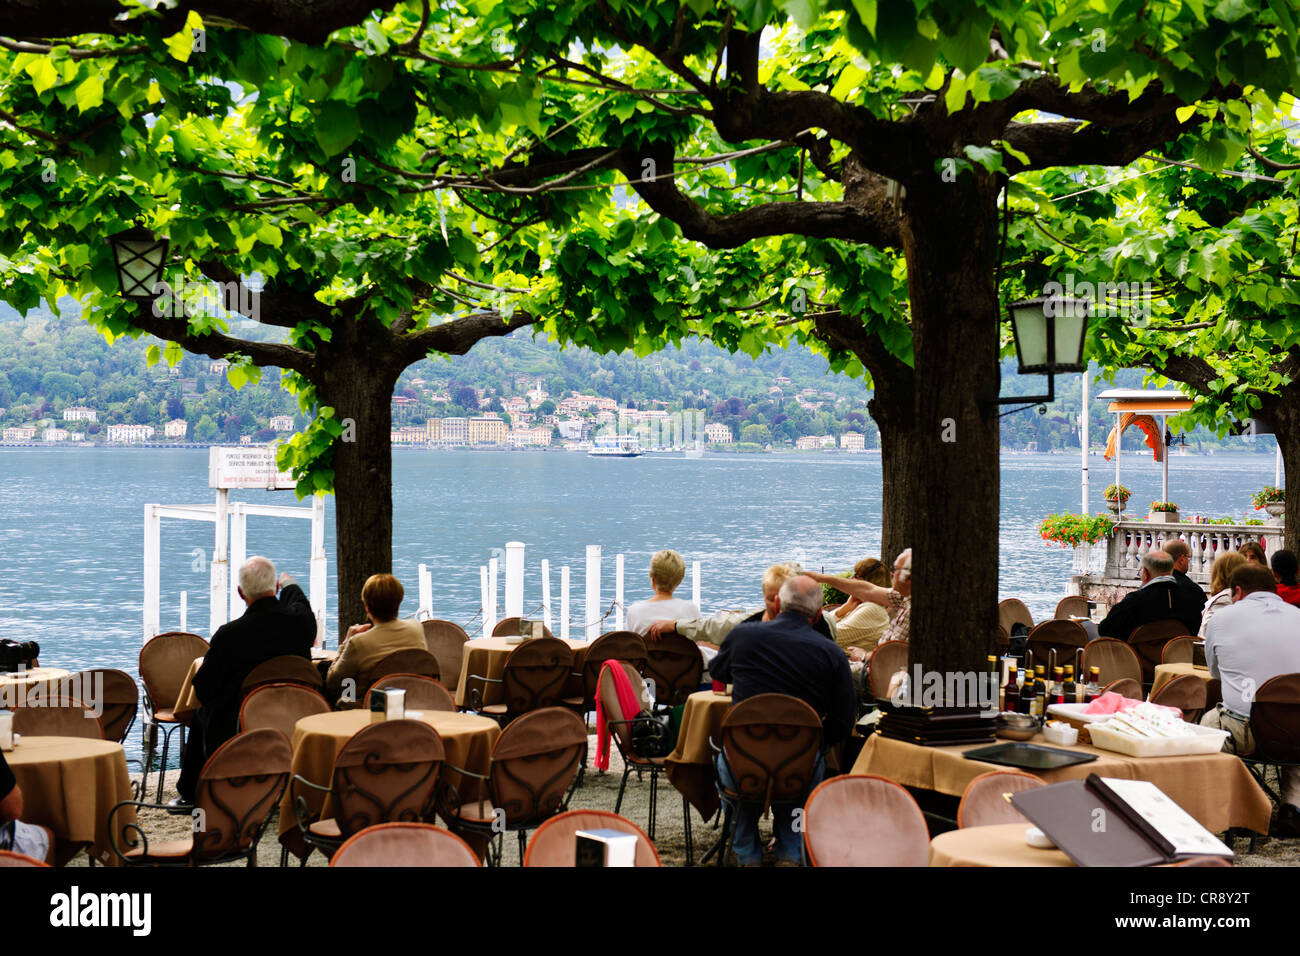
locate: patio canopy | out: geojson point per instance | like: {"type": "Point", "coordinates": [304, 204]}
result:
{"type": "Point", "coordinates": [1142, 407]}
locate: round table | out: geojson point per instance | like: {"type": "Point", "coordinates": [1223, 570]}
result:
{"type": "Point", "coordinates": [1000, 845]}
{"type": "Point", "coordinates": [467, 739]}
{"type": "Point", "coordinates": [70, 784]}
{"type": "Point", "coordinates": [1164, 673]}
{"type": "Point", "coordinates": [486, 657]}
{"type": "Point", "coordinates": [187, 702]}
{"type": "Point", "coordinates": [690, 765]}
{"type": "Point", "coordinates": [15, 685]}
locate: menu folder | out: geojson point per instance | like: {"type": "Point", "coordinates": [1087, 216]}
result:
{"type": "Point", "coordinates": [1110, 822]}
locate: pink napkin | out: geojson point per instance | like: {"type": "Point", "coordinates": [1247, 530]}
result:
{"type": "Point", "coordinates": [1113, 703]}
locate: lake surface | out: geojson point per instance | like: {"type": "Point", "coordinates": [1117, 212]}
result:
{"type": "Point", "coordinates": [71, 528]}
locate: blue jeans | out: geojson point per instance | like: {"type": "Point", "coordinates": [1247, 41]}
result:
{"type": "Point", "coordinates": [745, 841]}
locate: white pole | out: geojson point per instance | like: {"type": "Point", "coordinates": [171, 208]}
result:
{"type": "Point", "coordinates": [1119, 440]}
{"type": "Point", "coordinates": [1277, 469]}
{"type": "Point", "coordinates": [493, 568]}
{"type": "Point", "coordinates": [152, 552]}
{"type": "Point", "coordinates": [217, 594]}
{"type": "Point", "coordinates": [695, 583]}
{"type": "Point", "coordinates": [564, 602]}
{"type": "Point", "coordinates": [1164, 475]}
{"type": "Point", "coordinates": [426, 592]}
{"type": "Point", "coordinates": [546, 593]}
{"type": "Point", "coordinates": [514, 579]}
{"type": "Point", "coordinates": [593, 592]}
{"type": "Point", "coordinates": [1083, 441]}
{"type": "Point", "coordinates": [238, 553]}
{"type": "Point", "coordinates": [618, 592]}
{"type": "Point", "coordinates": [185, 610]}
{"type": "Point", "coordinates": [483, 599]}
{"type": "Point", "coordinates": [319, 586]}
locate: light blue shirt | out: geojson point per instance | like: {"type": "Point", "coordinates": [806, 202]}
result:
{"type": "Point", "coordinates": [1250, 642]}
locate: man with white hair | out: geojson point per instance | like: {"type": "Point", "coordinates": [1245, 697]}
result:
{"type": "Point", "coordinates": [270, 627]}
{"type": "Point", "coordinates": [897, 600]}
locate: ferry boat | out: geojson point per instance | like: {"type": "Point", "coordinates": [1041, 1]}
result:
{"type": "Point", "coordinates": [623, 446]}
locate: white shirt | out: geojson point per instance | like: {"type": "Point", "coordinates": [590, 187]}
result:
{"type": "Point", "coordinates": [644, 613]}
{"type": "Point", "coordinates": [1250, 642]}
{"type": "Point", "coordinates": [1212, 606]}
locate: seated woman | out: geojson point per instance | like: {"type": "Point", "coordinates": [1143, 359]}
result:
{"type": "Point", "coordinates": [1287, 571]}
{"type": "Point", "coordinates": [861, 623]}
{"type": "Point", "coordinates": [367, 644]}
{"type": "Point", "coordinates": [1220, 592]}
{"type": "Point", "coordinates": [667, 568]}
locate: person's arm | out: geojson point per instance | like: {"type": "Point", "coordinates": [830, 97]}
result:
{"type": "Point", "coordinates": [847, 608]}
{"type": "Point", "coordinates": [212, 674]}
{"type": "Point", "coordinates": [1211, 638]}
{"type": "Point", "coordinates": [711, 630]}
{"type": "Point", "coordinates": [862, 590]}
{"type": "Point", "coordinates": [344, 666]}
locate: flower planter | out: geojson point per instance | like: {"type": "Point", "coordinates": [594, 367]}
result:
{"type": "Point", "coordinates": [1275, 509]}
{"type": "Point", "coordinates": [1113, 505]}
{"type": "Point", "coordinates": [1163, 517]}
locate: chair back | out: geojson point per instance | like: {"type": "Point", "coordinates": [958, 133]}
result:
{"type": "Point", "coordinates": [387, 771]}
{"type": "Point", "coordinates": [510, 627]}
{"type": "Point", "coordinates": [1125, 687]}
{"type": "Point", "coordinates": [1115, 659]}
{"type": "Point", "coordinates": [535, 674]}
{"type": "Point", "coordinates": [116, 692]}
{"type": "Point", "coordinates": [412, 660]}
{"type": "Point", "coordinates": [772, 742]}
{"type": "Point", "coordinates": [422, 693]}
{"type": "Point", "coordinates": [1013, 611]}
{"type": "Point", "coordinates": [886, 661]}
{"type": "Point", "coordinates": [614, 709]}
{"type": "Point", "coordinates": [615, 646]}
{"type": "Point", "coordinates": [1004, 639]}
{"type": "Point", "coordinates": [280, 707]}
{"type": "Point", "coordinates": [238, 788]}
{"type": "Point", "coordinates": [1178, 650]}
{"type": "Point", "coordinates": [164, 661]}
{"type": "Point", "coordinates": [285, 669]}
{"type": "Point", "coordinates": [1187, 692]}
{"type": "Point", "coordinates": [864, 820]}
{"type": "Point", "coordinates": [1148, 640]}
{"type": "Point", "coordinates": [1275, 720]}
{"type": "Point", "coordinates": [676, 666]}
{"type": "Point", "coordinates": [59, 717]}
{"type": "Point", "coordinates": [404, 845]}
{"type": "Point", "coordinates": [1072, 604]}
{"type": "Point", "coordinates": [10, 859]}
{"type": "Point", "coordinates": [534, 762]}
{"type": "Point", "coordinates": [446, 641]}
{"type": "Point", "coordinates": [984, 803]}
{"type": "Point", "coordinates": [555, 843]}
{"type": "Point", "coordinates": [1064, 637]}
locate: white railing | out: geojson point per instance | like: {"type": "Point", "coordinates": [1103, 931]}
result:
{"type": "Point", "coordinates": [1131, 540]}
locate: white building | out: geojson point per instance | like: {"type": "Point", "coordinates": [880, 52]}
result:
{"type": "Point", "coordinates": [176, 428]}
{"type": "Point", "coordinates": [572, 429]}
{"type": "Point", "coordinates": [129, 434]}
{"type": "Point", "coordinates": [717, 433]}
{"type": "Point", "coordinates": [218, 367]}
{"type": "Point", "coordinates": [54, 434]}
{"type": "Point", "coordinates": [530, 437]}
{"type": "Point", "coordinates": [809, 442]}
{"type": "Point", "coordinates": [853, 441]}
{"type": "Point", "coordinates": [281, 423]}
{"type": "Point", "coordinates": [80, 413]}
{"type": "Point", "coordinates": [20, 433]}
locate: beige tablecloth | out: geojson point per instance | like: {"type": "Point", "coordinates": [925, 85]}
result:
{"type": "Point", "coordinates": [467, 739]}
{"type": "Point", "coordinates": [1164, 673]}
{"type": "Point", "coordinates": [486, 657]}
{"type": "Point", "coordinates": [1000, 845]}
{"type": "Point", "coordinates": [690, 765]}
{"type": "Point", "coordinates": [15, 686]}
{"type": "Point", "coordinates": [187, 702]}
{"type": "Point", "coordinates": [1216, 789]}
{"type": "Point", "coordinates": [70, 784]}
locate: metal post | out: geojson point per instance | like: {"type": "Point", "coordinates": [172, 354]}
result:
{"type": "Point", "coordinates": [493, 568]}
{"type": "Point", "coordinates": [618, 592]}
{"type": "Point", "coordinates": [152, 555]}
{"type": "Point", "coordinates": [220, 566]}
{"type": "Point", "coordinates": [319, 581]}
{"type": "Point", "coordinates": [514, 579]}
{"type": "Point", "coordinates": [1119, 441]}
{"type": "Point", "coordinates": [185, 610]}
{"type": "Point", "coordinates": [591, 622]}
{"type": "Point", "coordinates": [426, 593]}
{"type": "Point", "coordinates": [1164, 475]}
{"type": "Point", "coordinates": [564, 602]}
{"type": "Point", "coordinates": [483, 598]}
{"type": "Point", "coordinates": [1277, 468]}
{"type": "Point", "coordinates": [238, 554]}
{"type": "Point", "coordinates": [546, 594]}
{"type": "Point", "coordinates": [1083, 441]}
{"type": "Point", "coordinates": [695, 584]}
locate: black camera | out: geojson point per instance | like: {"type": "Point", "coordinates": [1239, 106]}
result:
{"type": "Point", "coordinates": [17, 655]}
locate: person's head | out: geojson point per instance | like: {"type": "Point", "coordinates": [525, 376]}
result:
{"type": "Point", "coordinates": [256, 579]}
{"type": "Point", "coordinates": [1254, 552]}
{"type": "Point", "coordinates": [802, 595]}
{"type": "Point", "coordinates": [667, 568]}
{"type": "Point", "coordinates": [1156, 564]}
{"type": "Point", "coordinates": [1251, 577]}
{"type": "Point", "coordinates": [902, 577]}
{"type": "Point", "coordinates": [1178, 550]}
{"type": "Point", "coordinates": [1221, 570]}
{"type": "Point", "coordinates": [872, 570]}
{"type": "Point", "coordinates": [382, 595]}
{"type": "Point", "coordinates": [1285, 567]}
{"type": "Point", "coordinates": [773, 578]}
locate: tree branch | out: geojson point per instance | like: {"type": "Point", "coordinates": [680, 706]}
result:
{"type": "Point", "coordinates": [216, 345]}
{"type": "Point", "coordinates": [459, 335]}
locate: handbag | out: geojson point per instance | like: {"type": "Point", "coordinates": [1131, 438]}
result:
{"type": "Point", "coordinates": [652, 736]}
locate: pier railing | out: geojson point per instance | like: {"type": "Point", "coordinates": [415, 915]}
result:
{"type": "Point", "coordinates": [1131, 540]}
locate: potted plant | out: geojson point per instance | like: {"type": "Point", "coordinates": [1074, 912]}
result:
{"type": "Point", "coordinates": [1270, 499]}
{"type": "Point", "coordinates": [1117, 497]}
{"type": "Point", "coordinates": [1163, 511]}
{"type": "Point", "coordinates": [1071, 530]}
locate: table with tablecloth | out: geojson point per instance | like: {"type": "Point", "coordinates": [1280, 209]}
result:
{"type": "Point", "coordinates": [467, 740]}
{"type": "Point", "coordinates": [690, 765]}
{"type": "Point", "coordinates": [486, 657]}
{"type": "Point", "coordinates": [1164, 673]}
{"type": "Point", "coordinates": [187, 702]}
{"type": "Point", "coordinates": [1216, 789]}
{"type": "Point", "coordinates": [1002, 844]}
{"type": "Point", "coordinates": [70, 784]}
{"type": "Point", "coordinates": [16, 685]}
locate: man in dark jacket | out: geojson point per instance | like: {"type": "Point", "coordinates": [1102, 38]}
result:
{"type": "Point", "coordinates": [1182, 555]}
{"type": "Point", "coordinates": [1158, 599]}
{"type": "Point", "coordinates": [270, 627]}
{"type": "Point", "coordinates": [785, 655]}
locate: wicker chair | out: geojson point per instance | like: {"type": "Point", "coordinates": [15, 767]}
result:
{"type": "Point", "coordinates": [163, 663]}
{"type": "Point", "coordinates": [1275, 725]}
{"type": "Point", "coordinates": [1187, 692]}
{"type": "Point", "coordinates": [984, 802]}
{"type": "Point", "coordinates": [1072, 604]}
{"type": "Point", "coordinates": [413, 660]}
{"type": "Point", "coordinates": [446, 641]}
{"type": "Point", "coordinates": [1054, 640]}
{"type": "Point", "coordinates": [510, 627]}
{"type": "Point", "coordinates": [886, 660]}
{"type": "Point", "coordinates": [1148, 640]}
{"type": "Point", "coordinates": [58, 717]}
{"type": "Point", "coordinates": [1115, 659]}
{"type": "Point", "coordinates": [238, 788]}
{"type": "Point", "coordinates": [116, 692]}
{"type": "Point", "coordinates": [1125, 687]}
{"type": "Point", "coordinates": [280, 707]}
{"type": "Point", "coordinates": [555, 842]}
{"type": "Point", "coordinates": [285, 669]}
{"type": "Point", "coordinates": [1013, 611]}
{"type": "Point", "coordinates": [864, 820]}
{"type": "Point", "coordinates": [404, 845]}
{"type": "Point", "coordinates": [534, 677]}
{"type": "Point", "coordinates": [1178, 650]}
{"type": "Point", "coordinates": [676, 666]}
{"type": "Point", "coordinates": [534, 765]}
{"type": "Point", "coordinates": [615, 646]}
{"type": "Point", "coordinates": [422, 693]}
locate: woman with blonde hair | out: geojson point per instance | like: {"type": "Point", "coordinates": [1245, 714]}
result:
{"type": "Point", "coordinates": [667, 568]}
{"type": "Point", "coordinates": [861, 623]}
{"type": "Point", "coordinates": [1220, 591]}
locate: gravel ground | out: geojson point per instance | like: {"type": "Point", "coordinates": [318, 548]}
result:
{"type": "Point", "coordinates": [599, 792]}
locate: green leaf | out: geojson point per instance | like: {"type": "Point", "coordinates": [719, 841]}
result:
{"type": "Point", "coordinates": [90, 93]}
{"type": "Point", "coordinates": [152, 355]}
{"type": "Point", "coordinates": [1184, 113]}
{"type": "Point", "coordinates": [43, 74]}
{"type": "Point", "coordinates": [337, 126]}
{"type": "Point", "coordinates": [238, 376]}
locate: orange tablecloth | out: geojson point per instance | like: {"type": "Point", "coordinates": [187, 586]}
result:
{"type": "Point", "coordinates": [690, 765]}
{"type": "Point", "coordinates": [1164, 673]}
{"type": "Point", "coordinates": [467, 739]}
{"type": "Point", "coordinates": [486, 657]}
{"type": "Point", "coordinates": [1000, 845]}
{"type": "Point", "coordinates": [1216, 789]}
{"type": "Point", "coordinates": [15, 685]}
{"type": "Point", "coordinates": [70, 784]}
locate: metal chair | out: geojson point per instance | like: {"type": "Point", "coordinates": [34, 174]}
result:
{"type": "Point", "coordinates": [163, 663]}
{"type": "Point", "coordinates": [1114, 658]}
{"type": "Point", "coordinates": [280, 707]}
{"type": "Point", "coordinates": [446, 641]}
{"type": "Point", "coordinates": [1187, 692]}
{"type": "Point", "coordinates": [1125, 687]}
{"type": "Point", "coordinates": [58, 717]}
{"type": "Point", "coordinates": [615, 646]}
{"type": "Point", "coordinates": [1013, 611]}
{"type": "Point", "coordinates": [1072, 604]}
{"type": "Point", "coordinates": [285, 669]}
{"type": "Point", "coordinates": [534, 677]}
{"type": "Point", "coordinates": [1054, 640]}
{"type": "Point", "coordinates": [422, 693]}
{"type": "Point", "coordinates": [386, 772]}
{"type": "Point", "coordinates": [864, 820]}
{"type": "Point", "coordinates": [1148, 640]}
{"type": "Point", "coordinates": [676, 666]}
{"type": "Point", "coordinates": [1178, 650]}
{"type": "Point", "coordinates": [404, 845]}
{"type": "Point", "coordinates": [555, 842]}
{"type": "Point", "coordinates": [986, 799]}
{"type": "Point", "coordinates": [1275, 725]}
{"type": "Point", "coordinates": [116, 693]}
{"type": "Point", "coordinates": [238, 788]}
{"type": "Point", "coordinates": [886, 660]}
{"type": "Point", "coordinates": [511, 627]}
{"type": "Point", "coordinates": [534, 765]}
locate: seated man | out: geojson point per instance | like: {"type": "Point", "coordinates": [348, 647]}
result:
{"type": "Point", "coordinates": [270, 627]}
{"type": "Point", "coordinates": [786, 656]}
{"type": "Point", "coordinates": [1251, 641]}
{"type": "Point", "coordinates": [367, 644]}
{"type": "Point", "coordinates": [16, 836]}
{"type": "Point", "coordinates": [1158, 599]}
{"type": "Point", "coordinates": [1182, 555]}
{"type": "Point", "coordinates": [667, 568]}
{"type": "Point", "coordinates": [896, 600]}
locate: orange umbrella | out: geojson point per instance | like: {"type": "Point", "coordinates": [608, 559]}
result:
{"type": "Point", "coordinates": [1155, 441]}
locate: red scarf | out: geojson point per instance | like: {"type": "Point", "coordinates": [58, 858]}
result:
{"type": "Point", "coordinates": [627, 702]}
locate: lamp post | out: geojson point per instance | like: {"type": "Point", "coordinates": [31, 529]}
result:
{"type": "Point", "coordinates": [1048, 333]}
{"type": "Point", "coordinates": [140, 258]}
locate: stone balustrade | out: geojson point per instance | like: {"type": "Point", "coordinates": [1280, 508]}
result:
{"type": "Point", "coordinates": [1131, 540]}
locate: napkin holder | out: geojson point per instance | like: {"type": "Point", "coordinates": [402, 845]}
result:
{"type": "Point", "coordinates": [598, 848]}
{"type": "Point", "coordinates": [387, 704]}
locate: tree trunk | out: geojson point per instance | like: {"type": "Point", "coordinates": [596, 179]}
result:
{"type": "Point", "coordinates": [951, 473]}
{"type": "Point", "coordinates": [1286, 428]}
{"type": "Point", "coordinates": [900, 450]}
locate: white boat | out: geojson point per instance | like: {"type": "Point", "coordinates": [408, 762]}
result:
{"type": "Point", "coordinates": [622, 446]}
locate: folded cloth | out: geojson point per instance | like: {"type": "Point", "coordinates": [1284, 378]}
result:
{"type": "Point", "coordinates": [627, 702]}
{"type": "Point", "coordinates": [1113, 703]}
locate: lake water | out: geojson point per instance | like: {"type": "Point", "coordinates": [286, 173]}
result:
{"type": "Point", "coordinates": [71, 528]}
